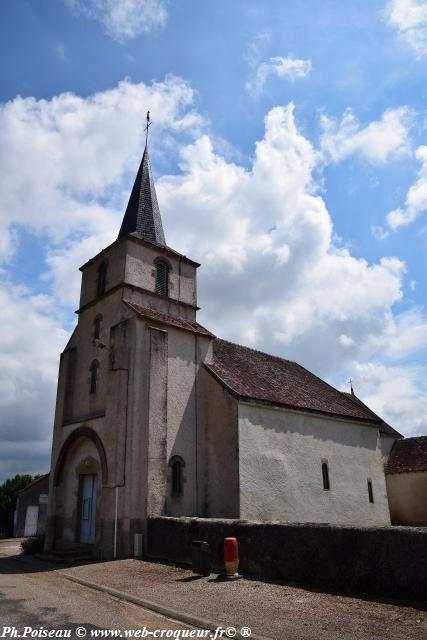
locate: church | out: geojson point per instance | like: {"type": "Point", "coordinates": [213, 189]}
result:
{"type": "Point", "coordinates": [155, 415]}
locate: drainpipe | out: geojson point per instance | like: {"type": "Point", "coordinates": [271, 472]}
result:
{"type": "Point", "coordinates": [115, 523]}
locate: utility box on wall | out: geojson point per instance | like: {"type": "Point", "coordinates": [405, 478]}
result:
{"type": "Point", "coordinates": [137, 545]}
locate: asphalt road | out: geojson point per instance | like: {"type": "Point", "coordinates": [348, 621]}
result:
{"type": "Point", "coordinates": [31, 596]}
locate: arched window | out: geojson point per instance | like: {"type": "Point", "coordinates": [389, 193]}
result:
{"type": "Point", "coordinates": [162, 278]}
{"type": "Point", "coordinates": [97, 327]}
{"type": "Point", "coordinates": [370, 492]}
{"type": "Point", "coordinates": [102, 279]}
{"type": "Point", "coordinates": [177, 465]}
{"type": "Point", "coordinates": [94, 376]}
{"type": "Point", "coordinates": [325, 475]}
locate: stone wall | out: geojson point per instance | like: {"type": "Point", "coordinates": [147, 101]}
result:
{"type": "Point", "coordinates": [383, 561]}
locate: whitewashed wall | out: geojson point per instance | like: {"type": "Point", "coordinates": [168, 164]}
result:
{"type": "Point", "coordinates": [280, 463]}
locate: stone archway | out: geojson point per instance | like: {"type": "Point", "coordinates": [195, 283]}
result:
{"type": "Point", "coordinates": [80, 432]}
{"type": "Point", "coordinates": [80, 473]}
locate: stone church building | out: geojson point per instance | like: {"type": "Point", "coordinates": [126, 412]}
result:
{"type": "Point", "coordinates": [157, 416]}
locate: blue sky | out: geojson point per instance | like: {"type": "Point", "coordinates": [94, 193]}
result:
{"type": "Point", "coordinates": [288, 147]}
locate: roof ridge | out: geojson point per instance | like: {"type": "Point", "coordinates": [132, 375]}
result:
{"type": "Point", "coordinates": [264, 353]}
{"type": "Point", "coordinates": [269, 378]}
{"type": "Point", "coordinates": [334, 389]}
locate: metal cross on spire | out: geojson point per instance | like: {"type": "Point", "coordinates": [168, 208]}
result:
{"type": "Point", "coordinates": [146, 128]}
{"type": "Point", "coordinates": [142, 215]}
{"type": "Point", "coordinates": [350, 382]}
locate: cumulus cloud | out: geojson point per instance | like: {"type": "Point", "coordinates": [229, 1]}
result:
{"type": "Point", "coordinates": [32, 338]}
{"type": "Point", "coordinates": [409, 17]}
{"type": "Point", "coordinates": [59, 158]}
{"type": "Point", "coordinates": [279, 66]}
{"type": "Point", "coordinates": [123, 19]}
{"type": "Point", "coordinates": [397, 393]}
{"type": "Point", "coordinates": [265, 241]}
{"type": "Point", "coordinates": [376, 142]}
{"type": "Point", "coordinates": [272, 275]}
{"type": "Point", "coordinates": [416, 198]}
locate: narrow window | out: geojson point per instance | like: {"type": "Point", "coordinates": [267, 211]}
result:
{"type": "Point", "coordinates": [93, 376]}
{"type": "Point", "coordinates": [162, 278]}
{"type": "Point", "coordinates": [370, 492]}
{"type": "Point", "coordinates": [102, 279]}
{"type": "Point", "coordinates": [97, 327]}
{"type": "Point", "coordinates": [325, 475]}
{"type": "Point", "coordinates": [177, 465]}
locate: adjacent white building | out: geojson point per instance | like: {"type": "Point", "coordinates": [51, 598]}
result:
{"type": "Point", "coordinates": [157, 416]}
{"type": "Point", "coordinates": [406, 476]}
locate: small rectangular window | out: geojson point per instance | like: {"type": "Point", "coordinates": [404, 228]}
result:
{"type": "Point", "coordinates": [325, 476]}
{"type": "Point", "coordinates": [370, 492]}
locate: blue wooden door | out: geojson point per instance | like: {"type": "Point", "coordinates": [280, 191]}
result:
{"type": "Point", "coordinates": [87, 509]}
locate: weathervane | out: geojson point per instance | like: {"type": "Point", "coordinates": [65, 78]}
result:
{"type": "Point", "coordinates": [146, 128]}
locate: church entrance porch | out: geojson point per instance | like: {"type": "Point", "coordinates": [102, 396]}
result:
{"type": "Point", "coordinates": [87, 509]}
{"type": "Point", "coordinates": [79, 496]}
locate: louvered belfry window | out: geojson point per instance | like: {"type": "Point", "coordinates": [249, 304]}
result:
{"type": "Point", "coordinates": [102, 279]}
{"type": "Point", "coordinates": [162, 278]}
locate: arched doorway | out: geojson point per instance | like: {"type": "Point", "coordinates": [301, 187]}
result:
{"type": "Point", "coordinates": [80, 472]}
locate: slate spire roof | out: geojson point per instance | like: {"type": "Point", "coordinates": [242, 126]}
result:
{"type": "Point", "coordinates": [142, 213]}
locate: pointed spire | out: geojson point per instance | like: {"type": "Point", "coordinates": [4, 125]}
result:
{"type": "Point", "coordinates": [142, 213]}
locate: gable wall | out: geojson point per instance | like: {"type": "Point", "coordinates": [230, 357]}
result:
{"type": "Point", "coordinates": [280, 462]}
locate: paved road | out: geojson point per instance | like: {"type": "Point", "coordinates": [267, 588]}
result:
{"type": "Point", "coordinates": [31, 596]}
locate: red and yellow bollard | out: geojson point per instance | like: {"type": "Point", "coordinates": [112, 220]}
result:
{"type": "Point", "coordinates": [231, 557]}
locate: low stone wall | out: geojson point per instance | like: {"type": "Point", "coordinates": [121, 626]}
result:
{"type": "Point", "coordinates": [384, 561]}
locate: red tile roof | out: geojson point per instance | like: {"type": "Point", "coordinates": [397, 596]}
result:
{"type": "Point", "coordinates": [165, 318]}
{"type": "Point", "coordinates": [408, 455]}
{"type": "Point", "coordinates": [256, 376]}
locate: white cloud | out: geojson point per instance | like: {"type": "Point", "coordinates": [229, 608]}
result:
{"type": "Point", "coordinates": [397, 393]}
{"type": "Point", "coordinates": [59, 158]}
{"type": "Point", "coordinates": [29, 345]}
{"type": "Point", "coordinates": [265, 241]}
{"type": "Point", "coordinates": [272, 275]}
{"type": "Point", "coordinates": [376, 142]}
{"type": "Point", "coordinates": [409, 17]}
{"type": "Point", "coordinates": [280, 66]}
{"type": "Point", "coordinates": [416, 198]}
{"type": "Point", "coordinates": [124, 19]}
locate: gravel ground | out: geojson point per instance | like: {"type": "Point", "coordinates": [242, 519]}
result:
{"type": "Point", "coordinates": [273, 610]}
